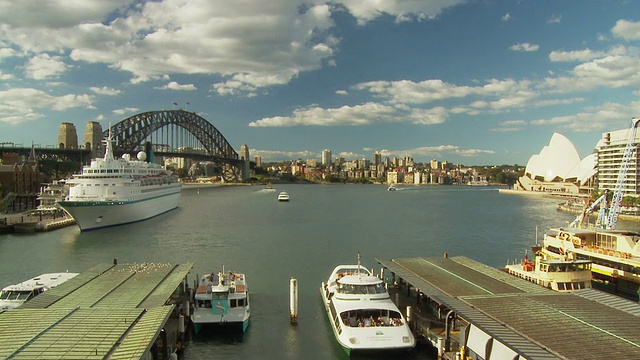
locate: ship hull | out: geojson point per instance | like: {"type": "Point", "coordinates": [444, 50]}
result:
{"type": "Point", "coordinates": [93, 215]}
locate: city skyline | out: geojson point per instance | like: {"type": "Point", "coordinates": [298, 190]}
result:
{"type": "Point", "coordinates": [469, 82]}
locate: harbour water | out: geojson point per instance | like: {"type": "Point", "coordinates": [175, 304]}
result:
{"type": "Point", "coordinates": [245, 229]}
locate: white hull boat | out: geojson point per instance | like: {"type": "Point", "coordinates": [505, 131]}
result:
{"type": "Point", "coordinates": [283, 196]}
{"type": "Point", "coordinates": [13, 296]}
{"type": "Point", "coordinates": [112, 192]}
{"type": "Point", "coordinates": [361, 313]}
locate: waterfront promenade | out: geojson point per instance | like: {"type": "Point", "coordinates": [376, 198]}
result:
{"type": "Point", "coordinates": [30, 221]}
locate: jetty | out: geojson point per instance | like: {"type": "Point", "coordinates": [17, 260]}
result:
{"type": "Point", "coordinates": [466, 308]}
{"type": "Point", "coordinates": [128, 311]}
{"type": "Point", "coordinates": [34, 221]}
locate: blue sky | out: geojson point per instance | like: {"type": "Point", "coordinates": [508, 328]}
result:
{"type": "Point", "coordinates": [476, 82]}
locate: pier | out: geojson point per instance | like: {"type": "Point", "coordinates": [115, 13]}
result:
{"type": "Point", "coordinates": [468, 309]}
{"type": "Point", "coordinates": [128, 311]}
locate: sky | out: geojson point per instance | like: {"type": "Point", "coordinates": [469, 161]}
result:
{"type": "Point", "coordinates": [473, 82]}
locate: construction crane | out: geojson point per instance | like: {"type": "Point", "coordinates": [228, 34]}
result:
{"type": "Point", "coordinates": [579, 220]}
{"type": "Point", "coordinates": [618, 193]}
{"type": "Point", "coordinates": [609, 212]}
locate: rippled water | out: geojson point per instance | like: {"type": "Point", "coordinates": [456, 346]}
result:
{"type": "Point", "coordinates": [245, 229]}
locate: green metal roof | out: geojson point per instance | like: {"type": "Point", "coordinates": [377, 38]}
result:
{"type": "Point", "coordinates": [110, 311]}
{"type": "Point", "coordinates": [537, 322]}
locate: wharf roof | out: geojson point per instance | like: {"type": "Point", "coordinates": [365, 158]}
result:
{"type": "Point", "coordinates": [108, 311]}
{"type": "Point", "coordinates": [536, 322]}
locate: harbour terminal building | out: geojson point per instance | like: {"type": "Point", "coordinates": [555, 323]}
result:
{"type": "Point", "coordinates": [558, 168]}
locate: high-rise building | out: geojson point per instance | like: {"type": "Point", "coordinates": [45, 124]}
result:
{"type": "Point", "coordinates": [326, 157]}
{"type": "Point", "coordinates": [258, 161]}
{"type": "Point", "coordinates": [377, 158]}
{"type": "Point", "coordinates": [246, 166]}
{"type": "Point", "coordinates": [609, 153]}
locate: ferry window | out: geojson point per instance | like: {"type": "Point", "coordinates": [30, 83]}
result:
{"type": "Point", "coordinates": [241, 302]}
{"type": "Point", "coordinates": [561, 286]}
{"type": "Point", "coordinates": [544, 267]}
{"type": "Point", "coordinates": [109, 171]}
{"type": "Point", "coordinates": [233, 303]}
{"type": "Point", "coordinates": [219, 296]}
{"type": "Point", "coordinates": [103, 171]}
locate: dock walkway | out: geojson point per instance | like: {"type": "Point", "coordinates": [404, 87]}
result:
{"type": "Point", "coordinates": [499, 316]}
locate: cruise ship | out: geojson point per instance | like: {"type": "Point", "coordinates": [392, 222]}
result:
{"type": "Point", "coordinates": [615, 255]}
{"type": "Point", "coordinates": [112, 191]}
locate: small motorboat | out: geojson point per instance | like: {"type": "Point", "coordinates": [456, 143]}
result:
{"type": "Point", "coordinates": [283, 196]}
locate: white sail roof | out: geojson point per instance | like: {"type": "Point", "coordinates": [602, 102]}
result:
{"type": "Point", "coordinates": [560, 159]}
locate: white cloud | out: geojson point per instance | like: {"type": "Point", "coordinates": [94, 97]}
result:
{"type": "Point", "coordinates": [409, 92]}
{"type": "Point", "coordinates": [525, 47]}
{"type": "Point", "coordinates": [342, 92]}
{"type": "Point", "coordinates": [402, 10]}
{"type": "Point", "coordinates": [506, 17]}
{"type": "Point", "coordinates": [594, 119]}
{"type": "Point", "coordinates": [43, 66]}
{"type": "Point", "coordinates": [6, 76]}
{"type": "Point", "coordinates": [555, 19]}
{"type": "Point", "coordinates": [105, 90]}
{"type": "Point", "coordinates": [6, 52]}
{"type": "Point", "coordinates": [128, 110]}
{"type": "Point", "coordinates": [281, 155]}
{"type": "Point", "coordinates": [365, 114]}
{"type": "Point", "coordinates": [18, 105]}
{"type": "Point", "coordinates": [628, 30]}
{"type": "Point", "coordinates": [441, 151]}
{"type": "Point", "coordinates": [172, 85]}
{"type": "Point", "coordinates": [264, 43]}
{"type": "Point", "coordinates": [584, 55]}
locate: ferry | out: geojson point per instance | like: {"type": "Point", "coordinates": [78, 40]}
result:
{"type": "Point", "coordinates": [361, 313]}
{"type": "Point", "coordinates": [615, 254]}
{"type": "Point", "coordinates": [221, 299]}
{"type": "Point", "coordinates": [13, 296]}
{"type": "Point", "coordinates": [112, 192]}
{"type": "Point", "coordinates": [558, 275]}
{"type": "Point", "coordinates": [283, 196]}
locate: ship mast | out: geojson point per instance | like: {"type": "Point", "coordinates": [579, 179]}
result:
{"type": "Point", "coordinates": [108, 153]}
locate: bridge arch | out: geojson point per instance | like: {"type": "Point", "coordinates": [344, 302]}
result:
{"type": "Point", "coordinates": [133, 132]}
{"type": "Point", "coordinates": [136, 132]}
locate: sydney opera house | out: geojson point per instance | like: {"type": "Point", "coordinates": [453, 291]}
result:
{"type": "Point", "coordinates": [558, 168]}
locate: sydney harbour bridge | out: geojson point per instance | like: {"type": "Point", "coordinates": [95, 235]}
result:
{"type": "Point", "coordinates": [167, 133]}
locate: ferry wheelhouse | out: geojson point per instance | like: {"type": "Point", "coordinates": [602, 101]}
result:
{"type": "Point", "coordinates": [558, 275]}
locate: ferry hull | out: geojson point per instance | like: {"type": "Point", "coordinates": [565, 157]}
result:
{"type": "Point", "coordinates": [93, 215]}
